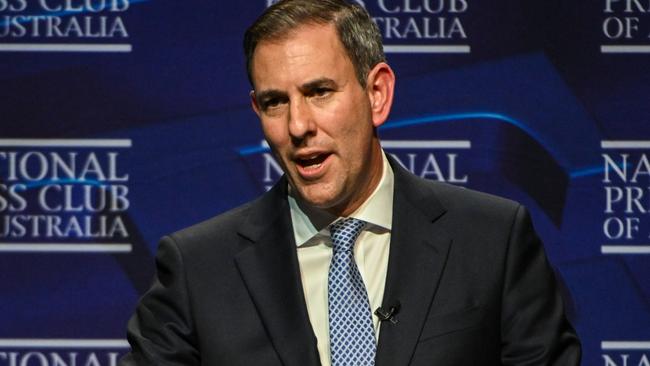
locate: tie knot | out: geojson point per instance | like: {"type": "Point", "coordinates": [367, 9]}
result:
{"type": "Point", "coordinates": [344, 233]}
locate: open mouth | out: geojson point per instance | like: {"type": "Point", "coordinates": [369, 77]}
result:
{"type": "Point", "coordinates": [312, 162]}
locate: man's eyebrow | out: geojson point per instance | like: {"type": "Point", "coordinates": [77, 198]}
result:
{"type": "Point", "coordinates": [269, 94]}
{"type": "Point", "coordinates": [319, 83]}
{"type": "Point", "coordinates": [308, 86]}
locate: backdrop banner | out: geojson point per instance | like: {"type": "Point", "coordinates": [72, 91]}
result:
{"type": "Point", "coordinates": [124, 120]}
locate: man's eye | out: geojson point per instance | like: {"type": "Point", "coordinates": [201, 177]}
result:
{"type": "Point", "coordinates": [271, 103]}
{"type": "Point", "coordinates": [321, 92]}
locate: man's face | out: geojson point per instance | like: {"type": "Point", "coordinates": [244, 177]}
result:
{"type": "Point", "coordinates": [317, 118]}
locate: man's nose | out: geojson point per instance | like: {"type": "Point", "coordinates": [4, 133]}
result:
{"type": "Point", "coordinates": [301, 121]}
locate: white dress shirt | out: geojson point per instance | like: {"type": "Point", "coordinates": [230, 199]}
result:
{"type": "Point", "coordinates": [310, 229]}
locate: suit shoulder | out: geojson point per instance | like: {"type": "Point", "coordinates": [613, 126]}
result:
{"type": "Point", "coordinates": [454, 195]}
{"type": "Point", "coordinates": [215, 232]}
{"type": "Point", "coordinates": [480, 222]}
{"type": "Point", "coordinates": [471, 204]}
{"type": "Point", "coordinates": [225, 234]}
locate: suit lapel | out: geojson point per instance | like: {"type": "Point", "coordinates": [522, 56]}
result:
{"type": "Point", "coordinates": [418, 253]}
{"type": "Point", "coordinates": [269, 266]}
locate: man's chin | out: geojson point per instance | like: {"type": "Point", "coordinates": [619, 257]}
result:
{"type": "Point", "coordinates": [320, 200]}
{"type": "Point", "coordinates": [320, 203]}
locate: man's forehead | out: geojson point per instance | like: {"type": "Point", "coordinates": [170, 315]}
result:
{"type": "Point", "coordinates": [302, 51]}
{"type": "Point", "coordinates": [311, 35]}
{"type": "Point", "coordinates": [283, 35]}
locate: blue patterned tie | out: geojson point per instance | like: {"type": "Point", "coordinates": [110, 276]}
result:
{"type": "Point", "coordinates": [352, 336]}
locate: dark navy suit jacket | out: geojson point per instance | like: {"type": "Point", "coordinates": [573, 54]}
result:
{"type": "Point", "coordinates": [474, 285]}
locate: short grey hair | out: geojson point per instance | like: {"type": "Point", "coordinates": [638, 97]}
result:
{"type": "Point", "coordinates": [357, 31]}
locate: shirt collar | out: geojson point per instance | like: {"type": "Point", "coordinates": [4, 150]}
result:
{"type": "Point", "coordinates": [377, 210]}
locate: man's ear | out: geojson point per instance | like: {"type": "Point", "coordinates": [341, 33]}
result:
{"type": "Point", "coordinates": [380, 87]}
{"type": "Point", "coordinates": [256, 107]}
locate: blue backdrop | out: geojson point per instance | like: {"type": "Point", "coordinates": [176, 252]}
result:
{"type": "Point", "coordinates": [124, 120]}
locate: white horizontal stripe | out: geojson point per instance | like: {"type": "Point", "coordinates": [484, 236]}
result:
{"type": "Point", "coordinates": [64, 47]}
{"type": "Point", "coordinates": [65, 248]}
{"type": "Point", "coordinates": [64, 343]}
{"type": "Point", "coordinates": [65, 142]}
{"type": "Point", "coordinates": [625, 249]}
{"type": "Point", "coordinates": [624, 345]}
{"type": "Point", "coordinates": [426, 49]}
{"type": "Point", "coordinates": [629, 144]}
{"type": "Point", "coordinates": [426, 144]}
{"type": "Point", "coordinates": [625, 49]}
{"type": "Point", "coordinates": [416, 144]}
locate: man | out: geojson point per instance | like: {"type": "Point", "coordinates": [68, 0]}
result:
{"type": "Point", "coordinates": [294, 278]}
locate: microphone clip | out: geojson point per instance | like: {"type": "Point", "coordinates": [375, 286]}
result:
{"type": "Point", "coordinates": [388, 314]}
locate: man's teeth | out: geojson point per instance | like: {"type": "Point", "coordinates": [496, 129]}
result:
{"type": "Point", "coordinates": [312, 162]}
